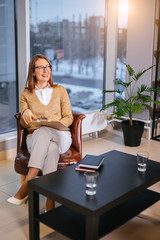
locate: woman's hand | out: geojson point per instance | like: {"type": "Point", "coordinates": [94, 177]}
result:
{"type": "Point", "coordinates": [28, 116]}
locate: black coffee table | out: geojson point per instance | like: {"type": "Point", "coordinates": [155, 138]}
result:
{"type": "Point", "coordinates": [121, 194]}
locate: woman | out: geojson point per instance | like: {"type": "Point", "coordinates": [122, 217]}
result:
{"type": "Point", "coordinates": [43, 99]}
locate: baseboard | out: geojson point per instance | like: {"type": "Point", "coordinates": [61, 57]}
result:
{"type": "Point", "coordinates": [8, 154]}
{"type": "Point", "coordinates": [8, 145]}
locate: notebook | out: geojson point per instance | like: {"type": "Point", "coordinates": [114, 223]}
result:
{"type": "Point", "coordinates": [82, 169]}
{"type": "Point", "coordinates": [91, 161]}
{"type": "Point", "coordinates": [53, 124]}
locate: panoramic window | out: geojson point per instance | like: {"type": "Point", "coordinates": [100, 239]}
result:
{"type": "Point", "coordinates": [72, 37]}
{"type": "Point", "coordinates": [8, 95]}
{"type": "Point", "coordinates": [122, 43]}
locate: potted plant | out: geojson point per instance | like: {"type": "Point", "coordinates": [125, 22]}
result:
{"type": "Point", "coordinates": [136, 100]}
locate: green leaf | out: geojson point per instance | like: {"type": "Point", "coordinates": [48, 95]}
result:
{"type": "Point", "coordinates": [130, 70]}
{"type": "Point", "coordinates": [137, 108]}
{"type": "Point", "coordinates": [139, 74]}
{"type": "Point", "coordinates": [110, 91]}
{"type": "Point", "coordinates": [113, 91]}
{"type": "Point", "coordinates": [153, 89]}
{"type": "Point", "coordinates": [156, 102]}
{"type": "Point", "coordinates": [120, 82]}
{"type": "Point", "coordinates": [115, 103]}
{"type": "Point", "coordinates": [143, 88]}
{"type": "Point", "coordinates": [144, 98]}
{"type": "Point", "coordinates": [147, 106]}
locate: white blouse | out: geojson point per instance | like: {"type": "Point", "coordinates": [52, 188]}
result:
{"type": "Point", "coordinates": [44, 94]}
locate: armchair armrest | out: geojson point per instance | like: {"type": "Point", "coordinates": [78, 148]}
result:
{"type": "Point", "coordinates": [76, 128]}
{"type": "Point", "coordinates": [21, 133]}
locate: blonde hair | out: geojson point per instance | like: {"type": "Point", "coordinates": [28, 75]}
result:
{"type": "Point", "coordinates": [31, 80]}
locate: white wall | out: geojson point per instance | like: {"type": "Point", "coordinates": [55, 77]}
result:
{"type": "Point", "coordinates": [140, 39]}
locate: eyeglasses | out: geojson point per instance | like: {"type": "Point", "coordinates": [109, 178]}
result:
{"type": "Point", "coordinates": [42, 68]}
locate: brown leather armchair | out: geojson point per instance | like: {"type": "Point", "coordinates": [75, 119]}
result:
{"type": "Point", "coordinates": [72, 156]}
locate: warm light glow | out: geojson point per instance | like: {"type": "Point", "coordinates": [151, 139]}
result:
{"type": "Point", "coordinates": [123, 13]}
{"type": "Point", "coordinates": [123, 6]}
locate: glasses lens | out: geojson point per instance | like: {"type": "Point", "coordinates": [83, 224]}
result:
{"type": "Point", "coordinates": [48, 68]}
{"type": "Point", "coordinates": [42, 68]}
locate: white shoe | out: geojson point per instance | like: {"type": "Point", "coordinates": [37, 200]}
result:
{"type": "Point", "coordinates": [17, 201]}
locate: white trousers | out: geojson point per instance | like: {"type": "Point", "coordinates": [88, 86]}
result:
{"type": "Point", "coordinates": [45, 145]}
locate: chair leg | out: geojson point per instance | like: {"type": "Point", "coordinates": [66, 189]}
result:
{"type": "Point", "coordinates": [22, 179]}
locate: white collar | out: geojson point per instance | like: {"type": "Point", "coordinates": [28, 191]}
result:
{"type": "Point", "coordinates": [37, 88]}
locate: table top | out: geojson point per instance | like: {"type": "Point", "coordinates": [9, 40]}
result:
{"type": "Point", "coordinates": [118, 181]}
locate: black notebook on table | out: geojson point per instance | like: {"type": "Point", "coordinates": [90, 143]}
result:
{"type": "Point", "coordinates": [91, 161]}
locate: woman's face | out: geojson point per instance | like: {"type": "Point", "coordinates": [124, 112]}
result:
{"type": "Point", "coordinates": [42, 71]}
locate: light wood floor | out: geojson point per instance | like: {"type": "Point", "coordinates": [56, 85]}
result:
{"type": "Point", "coordinates": [14, 219]}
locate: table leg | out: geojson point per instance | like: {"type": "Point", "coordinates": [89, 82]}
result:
{"type": "Point", "coordinates": [33, 214]}
{"type": "Point", "coordinates": [92, 227]}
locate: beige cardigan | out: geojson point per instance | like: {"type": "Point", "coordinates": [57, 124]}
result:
{"type": "Point", "coordinates": [58, 109]}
